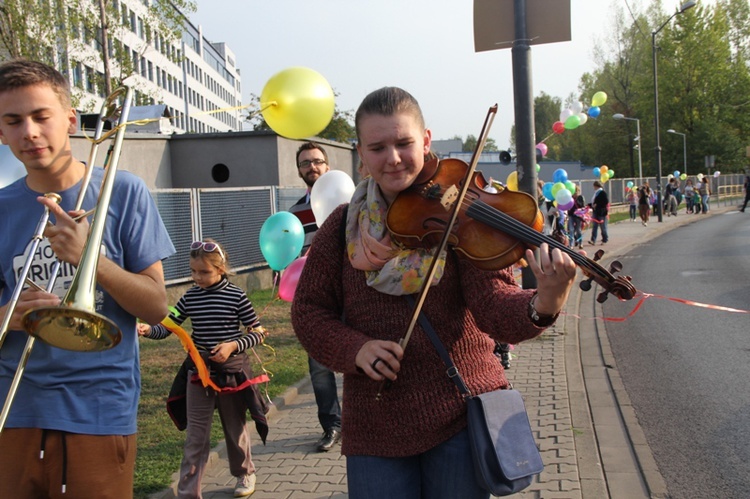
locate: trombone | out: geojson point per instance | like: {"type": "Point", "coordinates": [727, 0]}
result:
{"type": "Point", "coordinates": [74, 324]}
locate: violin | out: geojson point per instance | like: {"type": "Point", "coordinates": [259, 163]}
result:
{"type": "Point", "coordinates": [492, 231]}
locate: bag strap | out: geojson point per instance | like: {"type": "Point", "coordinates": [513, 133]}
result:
{"type": "Point", "coordinates": [452, 370]}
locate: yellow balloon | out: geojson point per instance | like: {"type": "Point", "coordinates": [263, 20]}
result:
{"type": "Point", "coordinates": [297, 103]}
{"type": "Point", "coordinates": [603, 178]}
{"type": "Point", "coordinates": [598, 99]}
{"type": "Point", "coordinates": [512, 181]}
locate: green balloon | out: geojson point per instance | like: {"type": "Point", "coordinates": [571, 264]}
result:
{"type": "Point", "coordinates": [572, 122]}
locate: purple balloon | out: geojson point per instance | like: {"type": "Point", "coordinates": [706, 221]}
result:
{"type": "Point", "coordinates": [566, 206]}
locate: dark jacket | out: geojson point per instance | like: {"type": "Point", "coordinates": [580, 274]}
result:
{"type": "Point", "coordinates": [600, 206]}
{"type": "Point", "coordinates": [234, 375]}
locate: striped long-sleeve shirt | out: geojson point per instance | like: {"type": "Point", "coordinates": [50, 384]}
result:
{"type": "Point", "coordinates": [216, 313]}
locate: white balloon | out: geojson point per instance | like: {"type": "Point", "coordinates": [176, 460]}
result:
{"type": "Point", "coordinates": [329, 191]}
{"type": "Point", "coordinates": [565, 114]}
{"type": "Point", "coordinates": [583, 117]}
{"type": "Point", "coordinates": [563, 196]}
{"type": "Point", "coordinates": [576, 107]}
{"type": "Point", "coordinates": [11, 169]}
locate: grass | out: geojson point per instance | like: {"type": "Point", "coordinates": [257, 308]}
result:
{"type": "Point", "coordinates": [159, 441]}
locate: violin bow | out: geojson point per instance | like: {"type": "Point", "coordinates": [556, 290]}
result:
{"type": "Point", "coordinates": [457, 202]}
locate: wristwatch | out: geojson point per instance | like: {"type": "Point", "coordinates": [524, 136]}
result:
{"type": "Point", "coordinates": [538, 319]}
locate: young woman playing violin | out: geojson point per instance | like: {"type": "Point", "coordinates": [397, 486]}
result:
{"type": "Point", "coordinates": [350, 311]}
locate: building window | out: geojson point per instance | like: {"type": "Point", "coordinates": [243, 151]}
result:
{"type": "Point", "coordinates": [78, 75]}
{"type": "Point", "coordinates": [90, 82]}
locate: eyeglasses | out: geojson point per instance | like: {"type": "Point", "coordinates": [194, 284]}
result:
{"type": "Point", "coordinates": [306, 163]}
{"type": "Point", "coordinates": [207, 247]}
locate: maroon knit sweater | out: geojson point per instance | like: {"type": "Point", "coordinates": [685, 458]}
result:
{"type": "Point", "coordinates": [422, 408]}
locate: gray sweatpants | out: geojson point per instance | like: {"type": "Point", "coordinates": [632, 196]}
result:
{"type": "Point", "coordinates": [200, 410]}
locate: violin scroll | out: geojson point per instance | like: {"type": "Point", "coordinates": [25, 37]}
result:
{"type": "Point", "coordinates": [619, 286]}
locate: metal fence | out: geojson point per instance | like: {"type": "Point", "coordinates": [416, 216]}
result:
{"type": "Point", "coordinates": [234, 217]}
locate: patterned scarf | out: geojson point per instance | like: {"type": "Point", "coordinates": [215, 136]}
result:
{"type": "Point", "coordinates": [389, 268]}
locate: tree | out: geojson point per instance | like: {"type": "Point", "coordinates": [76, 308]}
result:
{"type": "Point", "coordinates": [470, 144]}
{"type": "Point", "coordinates": [63, 33]}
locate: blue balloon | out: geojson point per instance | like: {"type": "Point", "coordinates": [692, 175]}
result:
{"type": "Point", "coordinates": [281, 239]}
{"type": "Point", "coordinates": [547, 191]}
{"type": "Point", "coordinates": [594, 111]}
{"type": "Point", "coordinates": [597, 172]}
{"type": "Point", "coordinates": [560, 175]}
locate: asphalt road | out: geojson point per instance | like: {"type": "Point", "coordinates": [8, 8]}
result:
{"type": "Point", "coordinates": [686, 368]}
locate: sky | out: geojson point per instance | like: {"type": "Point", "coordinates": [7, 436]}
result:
{"type": "Point", "coordinates": [423, 46]}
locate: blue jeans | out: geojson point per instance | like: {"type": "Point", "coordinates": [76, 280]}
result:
{"type": "Point", "coordinates": [575, 236]}
{"type": "Point", "coordinates": [326, 395]}
{"type": "Point", "coordinates": [595, 225]}
{"type": "Point", "coordinates": [443, 472]}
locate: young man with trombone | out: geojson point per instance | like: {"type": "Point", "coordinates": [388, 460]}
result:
{"type": "Point", "coordinates": [73, 423]}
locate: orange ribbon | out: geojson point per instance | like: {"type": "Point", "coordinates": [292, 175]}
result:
{"type": "Point", "coordinates": [189, 346]}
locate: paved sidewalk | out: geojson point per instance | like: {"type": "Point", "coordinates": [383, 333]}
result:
{"type": "Point", "coordinates": [586, 428]}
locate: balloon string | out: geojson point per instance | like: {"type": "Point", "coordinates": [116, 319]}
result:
{"type": "Point", "coordinates": [548, 136]}
{"type": "Point", "coordinates": [146, 121]}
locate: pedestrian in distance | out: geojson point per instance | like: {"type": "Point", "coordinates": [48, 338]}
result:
{"type": "Point", "coordinates": [350, 309]}
{"type": "Point", "coordinates": [72, 427]}
{"type": "Point", "coordinates": [690, 196]}
{"type": "Point", "coordinates": [217, 309]}
{"type": "Point", "coordinates": [670, 200]}
{"type": "Point", "coordinates": [575, 219]}
{"type": "Point", "coordinates": [600, 213]}
{"type": "Point", "coordinates": [704, 190]}
{"type": "Point", "coordinates": [312, 162]}
{"type": "Point", "coordinates": [746, 186]}
{"type": "Point", "coordinates": [632, 198]}
{"type": "Point", "coordinates": [645, 194]}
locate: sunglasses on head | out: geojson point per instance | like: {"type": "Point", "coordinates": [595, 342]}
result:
{"type": "Point", "coordinates": [207, 247]}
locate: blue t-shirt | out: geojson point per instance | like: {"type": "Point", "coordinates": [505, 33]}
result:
{"type": "Point", "coordinates": [80, 392]}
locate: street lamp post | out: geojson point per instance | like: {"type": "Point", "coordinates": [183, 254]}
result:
{"type": "Point", "coordinates": [620, 116]}
{"type": "Point", "coordinates": [684, 150]}
{"type": "Point", "coordinates": [657, 150]}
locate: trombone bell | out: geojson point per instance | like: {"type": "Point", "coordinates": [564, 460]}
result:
{"type": "Point", "coordinates": [72, 328]}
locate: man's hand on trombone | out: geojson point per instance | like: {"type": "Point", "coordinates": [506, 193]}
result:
{"type": "Point", "coordinates": [32, 296]}
{"type": "Point", "coordinates": [67, 236]}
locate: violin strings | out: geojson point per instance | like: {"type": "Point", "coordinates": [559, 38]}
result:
{"type": "Point", "coordinates": [490, 215]}
{"type": "Point", "coordinates": [502, 221]}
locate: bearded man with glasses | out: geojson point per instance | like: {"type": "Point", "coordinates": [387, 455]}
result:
{"type": "Point", "coordinates": [312, 162]}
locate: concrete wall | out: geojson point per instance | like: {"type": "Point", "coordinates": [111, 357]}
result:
{"type": "Point", "coordinates": [250, 159]}
{"type": "Point", "coordinates": [145, 155]}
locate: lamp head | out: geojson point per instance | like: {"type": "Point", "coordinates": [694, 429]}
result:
{"type": "Point", "coordinates": [687, 5]}
{"type": "Point", "coordinates": [618, 116]}
{"type": "Point", "coordinates": [671, 130]}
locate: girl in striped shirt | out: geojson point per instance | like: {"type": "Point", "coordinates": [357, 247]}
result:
{"type": "Point", "coordinates": [217, 309]}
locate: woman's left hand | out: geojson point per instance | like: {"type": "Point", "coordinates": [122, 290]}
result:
{"type": "Point", "coordinates": [555, 273]}
{"type": "Point", "coordinates": [222, 351]}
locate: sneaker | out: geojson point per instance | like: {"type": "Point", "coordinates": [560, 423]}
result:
{"type": "Point", "coordinates": [592, 243]}
{"type": "Point", "coordinates": [245, 486]}
{"type": "Point", "coordinates": [505, 360]}
{"type": "Point", "coordinates": [330, 437]}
